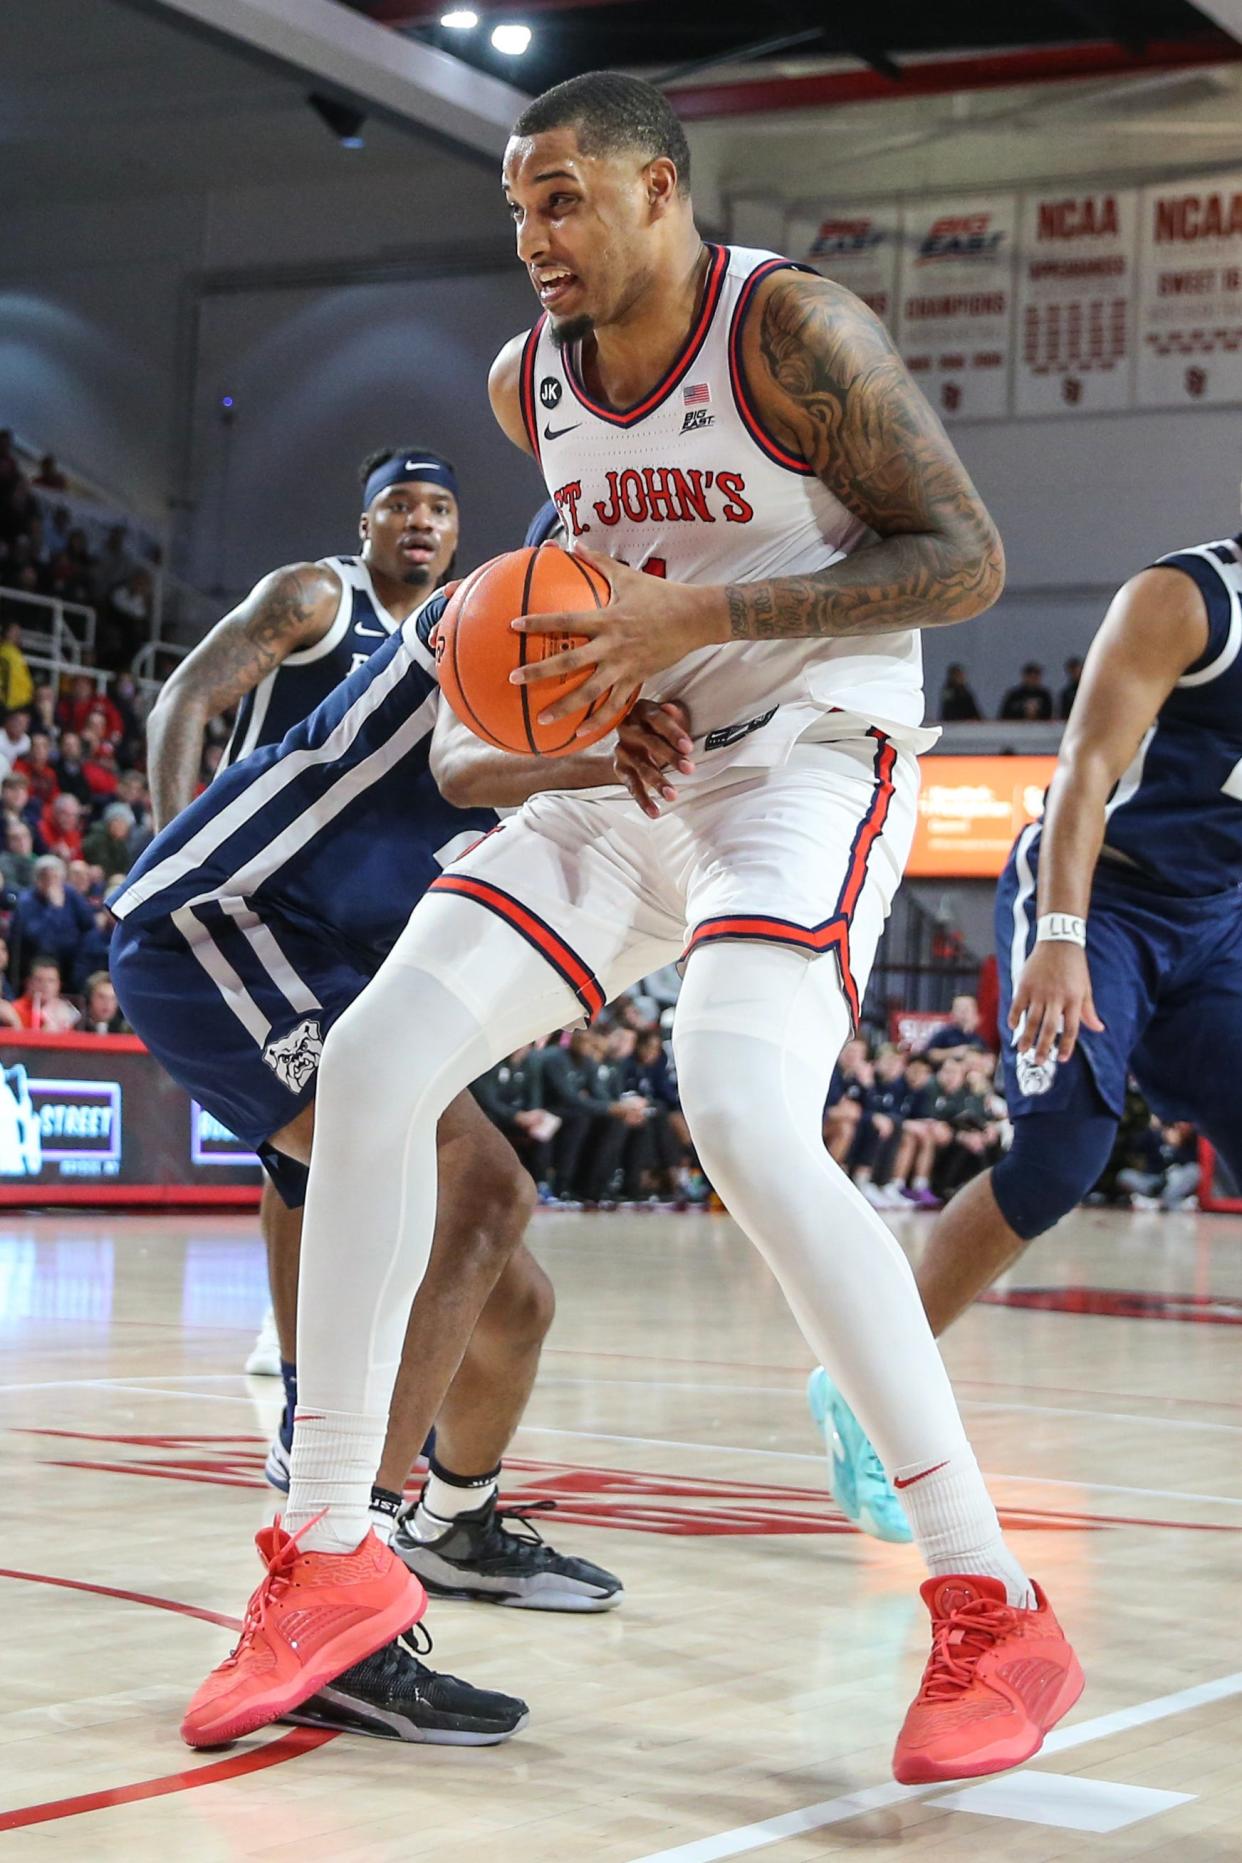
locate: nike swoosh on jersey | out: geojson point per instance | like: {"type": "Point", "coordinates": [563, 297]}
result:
{"type": "Point", "coordinates": [371, 633]}
{"type": "Point", "coordinates": [554, 433]}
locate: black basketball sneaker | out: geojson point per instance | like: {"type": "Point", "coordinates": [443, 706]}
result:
{"type": "Point", "coordinates": [480, 1557]}
{"type": "Point", "coordinates": [393, 1695]}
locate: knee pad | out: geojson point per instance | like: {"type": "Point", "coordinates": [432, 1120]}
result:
{"type": "Point", "coordinates": [1054, 1160]}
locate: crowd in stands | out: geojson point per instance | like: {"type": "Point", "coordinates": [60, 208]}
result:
{"type": "Point", "coordinates": [1031, 701]}
{"type": "Point", "coordinates": [43, 551]}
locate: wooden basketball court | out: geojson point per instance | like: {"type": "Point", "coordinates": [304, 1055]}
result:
{"type": "Point", "coordinates": [746, 1695]}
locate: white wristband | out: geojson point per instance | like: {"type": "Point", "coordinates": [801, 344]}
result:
{"type": "Point", "coordinates": [1061, 928]}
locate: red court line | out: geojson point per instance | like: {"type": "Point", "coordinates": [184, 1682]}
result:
{"type": "Point", "coordinates": [273, 1753]}
{"type": "Point", "coordinates": [128, 1597]}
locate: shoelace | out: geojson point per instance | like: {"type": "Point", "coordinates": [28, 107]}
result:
{"type": "Point", "coordinates": [526, 1530]}
{"type": "Point", "coordinates": [958, 1641]}
{"type": "Point", "coordinates": [271, 1587]}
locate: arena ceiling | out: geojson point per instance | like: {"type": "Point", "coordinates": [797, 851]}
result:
{"type": "Point", "coordinates": [803, 53]}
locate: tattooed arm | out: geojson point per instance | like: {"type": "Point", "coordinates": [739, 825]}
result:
{"type": "Point", "coordinates": [290, 609]}
{"type": "Point", "coordinates": [827, 381]}
{"type": "Point", "coordinates": [831, 387]}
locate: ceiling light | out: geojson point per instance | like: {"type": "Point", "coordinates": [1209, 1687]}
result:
{"type": "Point", "coordinates": [461, 19]}
{"type": "Point", "coordinates": [344, 120]}
{"type": "Point", "coordinates": [512, 40]}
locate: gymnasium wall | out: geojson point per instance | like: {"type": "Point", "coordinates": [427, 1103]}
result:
{"type": "Point", "coordinates": [101, 360]}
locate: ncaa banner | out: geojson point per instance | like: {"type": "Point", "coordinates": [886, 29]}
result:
{"type": "Point", "coordinates": [1077, 272]}
{"type": "Point", "coordinates": [1190, 294]}
{"type": "Point", "coordinates": [856, 247]}
{"type": "Point", "coordinates": [955, 302]}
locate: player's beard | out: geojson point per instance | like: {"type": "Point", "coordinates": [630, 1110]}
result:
{"type": "Point", "coordinates": [571, 330]}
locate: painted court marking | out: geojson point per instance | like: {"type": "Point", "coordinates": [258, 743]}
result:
{"type": "Point", "coordinates": [746, 1837]}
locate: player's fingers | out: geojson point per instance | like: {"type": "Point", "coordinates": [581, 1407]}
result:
{"type": "Point", "coordinates": [589, 623]}
{"type": "Point", "coordinates": [1018, 1007]}
{"type": "Point", "coordinates": [554, 666]}
{"type": "Point", "coordinates": [655, 721]}
{"type": "Point", "coordinates": [1091, 1015]}
{"type": "Point", "coordinates": [597, 559]}
{"type": "Point", "coordinates": [1069, 1034]}
{"type": "Point", "coordinates": [639, 784]}
{"type": "Point", "coordinates": [1048, 1029]}
{"type": "Point", "coordinates": [596, 687]}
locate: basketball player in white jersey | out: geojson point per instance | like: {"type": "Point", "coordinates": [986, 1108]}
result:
{"type": "Point", "coordinates": [747, 435]}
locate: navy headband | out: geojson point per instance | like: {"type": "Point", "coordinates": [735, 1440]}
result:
{"type": "Point", "coordinates": [405, 467]}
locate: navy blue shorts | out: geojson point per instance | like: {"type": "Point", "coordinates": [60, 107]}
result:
{"type": "Point", "coordinates": [236, 1005]}
{"type": "Point", "coordinates": [1166, 975]}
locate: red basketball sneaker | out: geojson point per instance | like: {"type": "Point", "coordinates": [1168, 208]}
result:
{"type": "Point", "coordinates": [998, 1678]}
{"type": "Point", "coordinates": [313, 1615]}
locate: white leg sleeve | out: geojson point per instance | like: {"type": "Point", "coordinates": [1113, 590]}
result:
{"type": "Point", "coordinates": [757, 1031]}
{"type": "Point", "coordinates": [460, 990]}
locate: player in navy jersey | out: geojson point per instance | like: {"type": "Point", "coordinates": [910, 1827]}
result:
{"type": "Point", "coordinates": [296, 636]}
{"type": "Point", "coordinates": [1119, 920]}
{"type": "Point", "coordinates": [247, 926]}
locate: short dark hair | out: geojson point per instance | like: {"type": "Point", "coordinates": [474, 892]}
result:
{"type": "Point", "coordinates": [612, 112]}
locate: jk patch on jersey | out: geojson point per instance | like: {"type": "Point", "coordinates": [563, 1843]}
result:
{"type": "Point", "coordinates": [294, 1057]}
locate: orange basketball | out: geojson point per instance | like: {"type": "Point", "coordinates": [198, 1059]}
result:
{"type": "Point", "coordinates": [477, 649]}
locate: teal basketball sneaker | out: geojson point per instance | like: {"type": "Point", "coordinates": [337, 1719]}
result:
{"type": "Point", "coordinates": [859, 1485]}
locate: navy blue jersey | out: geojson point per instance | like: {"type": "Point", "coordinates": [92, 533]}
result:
{"type": "Point", "coordinates": [292, 690]}
{"type": "Point", "coordinates": [1176, 814]}
{"type": "Point", "coordinates": [339, 826]}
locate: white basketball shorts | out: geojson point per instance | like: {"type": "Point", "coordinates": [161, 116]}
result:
{"type": "Point", "coordinates": [807, 855]}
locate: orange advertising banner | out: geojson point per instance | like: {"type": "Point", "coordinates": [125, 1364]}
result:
{"type": "Point", "coordinates": [970, 811]}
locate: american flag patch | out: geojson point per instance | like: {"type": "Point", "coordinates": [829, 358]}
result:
{"type": "Point", "coordinates": [696, 396]}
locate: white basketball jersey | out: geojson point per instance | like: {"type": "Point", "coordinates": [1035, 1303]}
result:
{"type": "Point", "coordinates": [689, 484]}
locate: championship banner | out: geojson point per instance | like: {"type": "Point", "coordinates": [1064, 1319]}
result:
{"type": "Point", "coordinates": [970, 812]}
{"type": "Point", "coordinates": [1190, 294]}
{"type": "Point", "coordinates": [856, 247]}
{"type": "Point", "coordinates": [955, 302]}
{"type": "Point", "coordinates": [1076, 282]}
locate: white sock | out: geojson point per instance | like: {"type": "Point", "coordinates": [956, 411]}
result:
{"type": "Point", "coordinates": [756, 1032]}
{"type": "Point", "coordinates": [335, 1455]}
{"type": "Point", "coordinates": [921, 1183]}
{"type": "Point", "coordinates": [445, 1497]}
{"type": "Point", "coordinates": [955, 1523]}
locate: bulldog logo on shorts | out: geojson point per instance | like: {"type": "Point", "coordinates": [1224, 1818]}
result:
{"type": "Point", "coordinates": [1035, 1077]}
{"type": "Point", "coordinates": [294, 1057]}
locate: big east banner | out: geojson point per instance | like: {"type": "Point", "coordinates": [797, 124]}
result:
{"type": "Point", "coordinates": [1190, 294]}
{"type": "Point", "coordinates": [857, 247]}
{"type": "Point", "coordinates": [1076, 277]}
{"type": "Point", "coordinates": [955, 302]}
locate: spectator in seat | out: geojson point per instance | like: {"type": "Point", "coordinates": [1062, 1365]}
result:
{"type": "Point", "coordinates": [49, 477]}
{"type": "Point", "coordinates": [19, 805]}
{"type": "Point", "coordinates": [50, 918]}
{"type": "Point", "coordinates": [1069, 691]}
{"type": "Point", "coordinates": [958, 704]}
{"type": "Point", "coordinates": [39, 770]}
{"type": "Point", "coordinates": [74, 712]}
{"type": "Point", "coordinates": [573, 1089]}
{"type": "Point", "coordinates": [110, 843]}
{"type": "Point", "coordinates": [1030, 701]}
{"type": "Point", "coordinates": [916, 1149]}
{"type": "Point", "coordinates": [14, 737]}
{"type": "Point", "coordinates": [879, 1132]}
{"type": "Point", "coordinates": [114, 564]}
{"type": "Point", "coordinates": [84, 879]}
{"type": "Point", "coordinates": [41, 1005]}
{"type": "Point", "coordinates": [127, 622]}
{"type": "Point", "coordinates": [975, 1123]}
{"type": "Point", "coordinates": [621, 1145]}
{"type": "Point", "coordinates": [71, 573]}
{"type": "Point", "coordinates": [99, 768]}
{"type": "Point", "coordinates": [16, 684]}
{"type": "Point", "coordinates": [60, 827]}
{"type": "Point", "coordinates": [511, 1095]}
{"type": "Point", "coordinates": [69, 771]}
{"type": "Point", "coordinates": [1165, 1171]}
{"type": "Point", "coordinates": [43, 710]}
{"type": "Point", "coordinates": [103, 1012]}
{"type": "Point", "coordinates": [852, 1078]}
{"type": "Point", "coordinates": [56, 530]}
{"type": "Point", "coordinates": [959, 1039]}
{"type": "Point", "coordinates": [9, 1017]}
{"type": "Point", "coordinates": [132, 789]}
{"type": "Point", "coordinates": [17, 859]}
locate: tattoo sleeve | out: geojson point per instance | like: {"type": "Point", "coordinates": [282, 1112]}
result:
{"type": "Point", "coordinates": [288, 610]}
{"type": "Point", "coordinates": [833, 388]}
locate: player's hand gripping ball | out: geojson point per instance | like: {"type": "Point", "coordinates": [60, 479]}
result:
{"type": "Point", "coordinates": [477, 648]}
